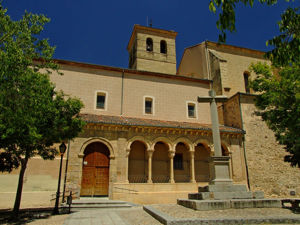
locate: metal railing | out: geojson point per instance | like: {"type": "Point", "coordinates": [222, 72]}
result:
{"type": "Point", "coordinates": [137, 178]}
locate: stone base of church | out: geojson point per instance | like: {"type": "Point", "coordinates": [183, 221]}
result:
{"type": "Point", "coordinates": [155, 193]}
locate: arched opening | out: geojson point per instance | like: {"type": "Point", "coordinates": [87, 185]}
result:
{"type": "Point", "coordinates": [163, 46]}
{"type": "Point", "coordinates": [95, 170]}
{"type": "Point", "coordinates": [246, 82]}
{"type": "Point", "coordinates": [181, 163]}
{"type": "Point", "coordinates": [149, 44]}
{"type": "Point", "coordinates": [160, 163]}
{"type": "Point", "coordinates": [137, 163]}
{"type": "Point", "coordinates": [202, 155]}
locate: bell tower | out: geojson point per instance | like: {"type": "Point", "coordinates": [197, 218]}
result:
{"type": "Point", "coordinates": [152, 49]}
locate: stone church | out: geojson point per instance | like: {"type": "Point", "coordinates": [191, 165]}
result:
{"type": "Point", "coordinates": [148, 140]}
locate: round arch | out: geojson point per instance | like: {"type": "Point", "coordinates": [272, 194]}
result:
{"type": "Point", "coordinates": [164, 140]}
{"type": "Point", "coordinates": [137, 138]}
{"type": "Point", "coordinates": [204, 142]}
{"type": "Point", "coordinates": [101, 140]}
{"type": "Point", "coordinates": [185, 141]}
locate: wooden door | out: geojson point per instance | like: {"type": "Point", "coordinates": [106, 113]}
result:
{"type": "Point", "coordinates": [95, 171]}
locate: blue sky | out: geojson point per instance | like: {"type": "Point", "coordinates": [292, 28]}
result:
{"type": "Point", "coordinates": [97, 32]}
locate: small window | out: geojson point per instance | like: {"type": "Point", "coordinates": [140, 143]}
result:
{"type": "Point", "coordinates": [191, 110]}
{"type": "Point", "coordinates": [163, 47]}
{"type": "Point", "coordinates": [100, 102]}
{"type": "Point", "coordinates": [246, 80]}
{"type": "Point", "coordinates": [178, 162]}
{"type": "Point", "coordinates": [148, 106]}
{"type": "Point", "coordinates": [149, 45]}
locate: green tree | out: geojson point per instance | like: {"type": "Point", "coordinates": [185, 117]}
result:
{"type": "Point", "coordinates": [278, 86]}
{"type": "Point", "coordinates": [226, 21]}
{"type": "Point", "coordinates": [279, 103]}
{"type": "Point", "coordinates": [33, 116]}
{"type": "Point", "coordinates": [279, 97]}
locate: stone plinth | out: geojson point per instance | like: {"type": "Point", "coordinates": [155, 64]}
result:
{"type": "Point", "coordinates": [225, 191]}
{"type": "Point", "coordinates": [219, 165]}
{"type": "Point", "coordinates": [229, 204]}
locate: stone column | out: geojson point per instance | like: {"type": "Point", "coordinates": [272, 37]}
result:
{"type": "Point", "coordinates": [230, 165]}
{"type": "Point", "coordinates": [192, 167]}
{"type": "Point", "coordinates": [171, 156]}
{"type": "Point", "coordinates": [215, 124]}
{"type": "Point", "coordinates": [127, 165]}
{"type": "Point", "coordinates": [150, 153]}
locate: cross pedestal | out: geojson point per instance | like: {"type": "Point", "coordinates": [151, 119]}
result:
{"type": "Point", "coordinates": [220, 185]}
{"type": "Point", "coordinates": [220, 171]}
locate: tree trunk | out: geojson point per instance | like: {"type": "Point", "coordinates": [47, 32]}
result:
{"type": "Point", "coordinates": [20, 187]}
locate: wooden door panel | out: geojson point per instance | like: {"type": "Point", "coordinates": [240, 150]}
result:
{"type": "Point", "coordinates": [101, 181]}
{"type": "Point", "coordinates": [88, 180]}
{"type": "Point", "coordinates": [101, 159]}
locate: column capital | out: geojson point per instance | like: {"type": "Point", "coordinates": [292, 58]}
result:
{"type": "Point", "coordinates": [150, 152]}
{"type": "Point", "coordinates": [171, 154]}
{"type": "Point", "coordinates": [127, 152]}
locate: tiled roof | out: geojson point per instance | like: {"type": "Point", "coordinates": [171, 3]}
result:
{"type": "Point", "coordinates": [133, 121]}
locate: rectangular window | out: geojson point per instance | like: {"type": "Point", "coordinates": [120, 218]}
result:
{"type": "Point", "coordinates": [148, 106]}
{"type": "Point", "coordinates": [191, 110]}
{"type": "Point", "coordinates": [178, 162]}
{"type": "Point", "coordinates": [100, 104]}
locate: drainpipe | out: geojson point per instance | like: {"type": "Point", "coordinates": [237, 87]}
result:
{"type": "Point", "coordinates": [66, 171]}
{"type": "Point", "coordinates": [207, 64]}
{"type": "Point", "coordinates": [122, 93]}
{"type": "Point", "coordinates": [244, 148]}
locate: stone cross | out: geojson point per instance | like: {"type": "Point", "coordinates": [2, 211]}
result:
{"type": "Point", "coordinates": [219, 165]}
{"type": "Point", "coordinates": [213, 99]}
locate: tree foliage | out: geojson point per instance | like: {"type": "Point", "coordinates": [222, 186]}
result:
{"type": "Point", "coordinates": [279, 103]}
{"type": "Point", "coordinates": [279, 97]}
{"type": "Point", "coordinates": [33, 115]}
{"type": "Point", "coordinates": [226, 21]}
{"type": "Point", "coordinates": [286, 49]}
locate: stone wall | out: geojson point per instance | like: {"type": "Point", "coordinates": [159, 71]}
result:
{"type": "Point", "coordinates": [232, 113]}
{"type": "Point", "coordinates": [267, 170]}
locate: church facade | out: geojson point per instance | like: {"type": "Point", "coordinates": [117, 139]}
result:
{"type": "Point", "coordinates": [148, 140]}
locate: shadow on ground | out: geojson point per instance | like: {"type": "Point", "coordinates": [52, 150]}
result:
{"type": "Point", "coordinates": [25, 216]}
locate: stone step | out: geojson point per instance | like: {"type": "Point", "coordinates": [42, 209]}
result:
{"type": "Point", "coordinates": [228, 204]}
{"type": "Point", "coordinates": [221, 195]}
{"type": "Point", "coordinates": [232, 195]}
{"type": "Point", "coordinates": [96, 203]}
{"type": "Point", "coordinates": [223, 188]}
{"type": "Point", "coordinates": [199, 196]}
{"type": "Point", "coordinates": [90, 206]}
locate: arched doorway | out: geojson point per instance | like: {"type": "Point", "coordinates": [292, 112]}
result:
{"type": "Point", "coordinates": [138, 163]}
{"type": "Point", "coordinates": [160, 163]}
{"type": "Point", "coordinates": [95, 170]}
{"type": "Point", "coordinates": [202, 155]}
{"type": "Point", "coordinates": [181, 163]}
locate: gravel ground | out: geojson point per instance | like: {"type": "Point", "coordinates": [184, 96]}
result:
{"type": "Point", "coordinates": [137, 216]}
{"type": "Point", "coordinates": [178, 211]}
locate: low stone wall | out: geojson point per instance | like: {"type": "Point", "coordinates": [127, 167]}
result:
{"type": "Point", "coordinates": [153, 193]}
